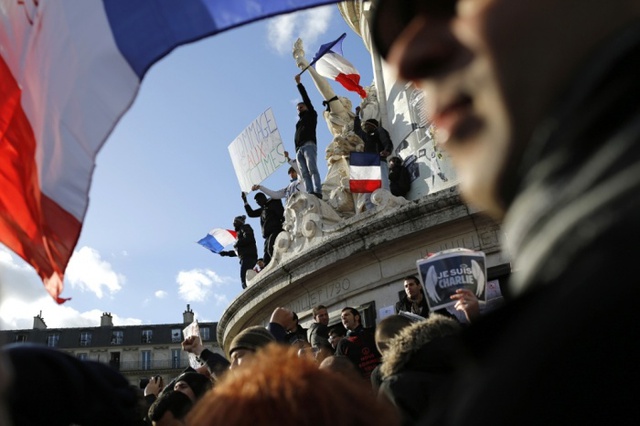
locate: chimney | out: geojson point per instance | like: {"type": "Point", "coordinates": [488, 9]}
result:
{"type": "Point", "coordinates": [187, 316]}
{"type": "Point", "coordinates": [106, 320]}
{"type": "Point", "coordinates": [38, 322]}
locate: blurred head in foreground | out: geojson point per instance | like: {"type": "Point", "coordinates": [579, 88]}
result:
{"type": "Point", "coordinates": [278, 387]}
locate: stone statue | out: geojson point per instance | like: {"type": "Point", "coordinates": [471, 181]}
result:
{"type": "Point", "coordinates": [369, 107]}
{"type": "Point", "coordinates": [308, 218]}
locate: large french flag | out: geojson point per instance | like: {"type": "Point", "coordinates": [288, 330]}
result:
{"type": "Point", "coordinates": [69, 69]}
{"type": "Point", "coordinates": [364, 172]}
{"type": "Point", "coordinates": [329, 62]}
{"type": "Point", "coordinates": [217, 239]}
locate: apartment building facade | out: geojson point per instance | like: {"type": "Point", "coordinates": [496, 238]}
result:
{"type": "Point", "coordinates": [137, 351]}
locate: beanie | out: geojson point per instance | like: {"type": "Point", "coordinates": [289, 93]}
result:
{"type": "Point", "coordinates": [199, 383]}
{"type": "Point", "coordinates": [240, 219]}
{"type": "Point", "coordinates": [252, 339]}
{"type": "Point", "coordinates": [372, 121]}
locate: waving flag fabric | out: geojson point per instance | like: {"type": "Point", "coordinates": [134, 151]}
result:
{"type": "Point", "coordinates": [364, 172]}
{"type": "Point", "coordinates": [217, 239]}
{"type": "Point", "coordinates": [330, 63]}
{"type": "Point", "coordinates": [69, 69]}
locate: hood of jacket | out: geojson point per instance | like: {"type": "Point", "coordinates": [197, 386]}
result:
{"type": "Point", "coordinates": [412, 342]}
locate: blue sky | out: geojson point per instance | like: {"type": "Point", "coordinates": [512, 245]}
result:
{"type": "Point", "coordinates": [164, 179]}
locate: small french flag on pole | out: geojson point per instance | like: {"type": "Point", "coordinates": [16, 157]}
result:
{"type": "Point", "coordinates": [364, 172]}
{"type": "Point", "coordinates": [217, 239]}
{"type": "Point", "coordinates": [329, 62]}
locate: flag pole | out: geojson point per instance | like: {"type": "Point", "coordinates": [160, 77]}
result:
{"type": "Point", "coordinates": [305, 68]}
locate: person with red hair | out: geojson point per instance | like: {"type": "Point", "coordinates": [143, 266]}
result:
{"type": "Point", "coordinates": [278, 387]}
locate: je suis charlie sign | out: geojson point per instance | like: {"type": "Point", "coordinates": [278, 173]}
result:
{"type": "Point", "coordinates": [447, 271]}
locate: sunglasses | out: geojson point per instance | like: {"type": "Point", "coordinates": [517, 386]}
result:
{"type": "Point", "coordinates": [391, 17]}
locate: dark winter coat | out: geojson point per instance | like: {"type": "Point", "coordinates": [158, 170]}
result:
{"type": "Point", "coordinates": [245, 246]}
{"type": "Point", "coordinates": [271, 216]}
{"type": "Point", "coordinates": [399, 180]}
{"type": "Point", "coordinates": [375, 141]}
{"type": "Point", "coordinates": [307, 123]}
{"type": "Point", "coordinates": [360, 347]}
{"type": "Point", "coordinates": [418, 363]}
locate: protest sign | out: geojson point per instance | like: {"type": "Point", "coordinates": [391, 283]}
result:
{"type": "Point", "coordinates": [447, 271]}
{"type": "Point", "coordinates": [258, 151]}
{"type": "Point", "coordinates": [192, 329]}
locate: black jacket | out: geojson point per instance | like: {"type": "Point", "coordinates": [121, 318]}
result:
{"type": "Point", "coordinates": [399, 180]}
{"type": "Point", "coordinates": [245, 246]}
{"type": "Point", "coordinates": [306, 125]}
{"type": "Point", "coordinates": [360, 347]}
{"type": "Point", "coordinates": [376, 141]}
{"type": "Point", "coordinates": [271, 216]}
{"type": "Point", "coordinates": [405, 305]}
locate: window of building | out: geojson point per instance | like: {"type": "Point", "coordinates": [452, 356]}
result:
{"type": "Point", "coordinates": [116, 337]}
{"type": "Point", "coordinates": [82, 355]}
{"type": "Point", "coordinates": [204, 333]}
{"type": "Point", "coordinates": [53, 339]}
{"type": "Point", "coordinates": [85, 338]}
{"type": "Point", "coordinates": [114, 361]}
{"type": "Point", "coordinates": [145, 360]}
{"type": "Point", "coordinates": [175, 358]}
{"type": "Point", "coordinates": [176, 335]}
{"type": "Point", "coordinates": [21, 338]}
{"type": "Point", "coordinates": [147, 335]}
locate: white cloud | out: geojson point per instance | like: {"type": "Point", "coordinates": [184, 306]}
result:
{"type": "Point", "coordinates": [161, 294]}
{"type": "Point", "coordinates": [309, 25]}
{"type": "Point", "coordinates": [23, 297]}
{"type": "Point", "coordinates": [197, 285]}
{"type": "Point", "coordinates": [88, 272]}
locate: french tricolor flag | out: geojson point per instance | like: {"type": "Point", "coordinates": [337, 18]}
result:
{"type": "Point", "coordinates": [217, 239]}
{"type": "Point", "coordinates": [69, 69]}
{"type": "Point", "coordinates": [364, 172]}
{"type": "Point", "coordinates": [330, 63]}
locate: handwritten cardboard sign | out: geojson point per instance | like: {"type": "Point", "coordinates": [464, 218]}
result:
{"type": "Point", "coordinates": [258, 151]}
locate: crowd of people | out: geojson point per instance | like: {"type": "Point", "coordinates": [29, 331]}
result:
{"type": "Point", "coordinates": [261, 364]}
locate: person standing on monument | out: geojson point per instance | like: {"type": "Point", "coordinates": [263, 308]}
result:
{"type": "Point", "coordinates": [377, 141]}
{"type": "Point", "coordinates": [306, 142]}
{"type": "Point", "coordinates": [271, 214]}
{"type": "Point", "coordinates": [293, 186]}
{"type": "Point", "coordinates": [244, 248]}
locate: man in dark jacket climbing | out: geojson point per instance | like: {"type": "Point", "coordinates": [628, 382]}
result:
{"type": "Point", "coordinates": [271, 214]}
{"type": "Point", "coordinates": [244, 248]}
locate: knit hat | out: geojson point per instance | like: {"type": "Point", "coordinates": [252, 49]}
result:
{"type": "Point", "coordinates": [372, 121]}
{"type": "Point", "coordinates": [199, 383]}
{"type": "Point", "coordinates": [252, 339]}
{"type": "Point", "coordinates": [240, 219]}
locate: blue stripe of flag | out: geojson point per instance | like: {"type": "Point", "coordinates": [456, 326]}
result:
{"type": "Point", "coordinates": [364, 159]}
{"type": "Point", "coordinates": [147, 30]}
{"type": "Point", "coordinates": [211, 243]}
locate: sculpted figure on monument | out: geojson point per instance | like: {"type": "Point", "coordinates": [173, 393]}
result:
{"type": "Point", "coordinates": [308, 217]}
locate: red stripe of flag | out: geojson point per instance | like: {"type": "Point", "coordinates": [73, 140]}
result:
{"type": "Point", "coordinates": [31, 225]}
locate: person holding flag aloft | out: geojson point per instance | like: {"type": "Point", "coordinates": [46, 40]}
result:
{"type": "Point", "coordinates": [244, 248]}
{"type": "Point", "coordinates": [306, 142]}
